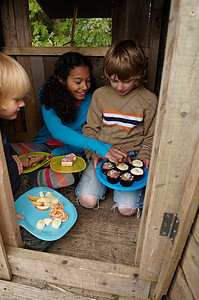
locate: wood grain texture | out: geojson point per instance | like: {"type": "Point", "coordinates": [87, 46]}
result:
{"type": "Point", "coordinates": [84, 273]}
{"type": "Point", "coordinates": [177, 129]}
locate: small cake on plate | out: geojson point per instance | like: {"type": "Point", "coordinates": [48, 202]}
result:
{"type": "Point", "coordinates": [67, 160]}
{"type": "Point", "coordinates": [106, 166]}
{"type": "Point", "coordinates": [136, 163]}
{"type": "Point", "coordinates": [122, 167]}
{"type": "Point", "coordinates": [126, 179]}
{"type": "Point", "coordinates": [137, 173]}
{"type": "Point", "coordinates": [113, 176]}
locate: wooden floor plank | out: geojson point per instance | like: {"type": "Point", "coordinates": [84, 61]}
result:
{"type": "Point", "coordinates": [102, 235]}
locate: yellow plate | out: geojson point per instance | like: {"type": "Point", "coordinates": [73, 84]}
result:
{"type": "Point", "coordinates": [78, 165]}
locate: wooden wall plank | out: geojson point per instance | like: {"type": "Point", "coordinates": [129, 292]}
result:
{"type": "Point", "coordinates": [190, 266]}
{"type": "Point", "coordinates": [53, 51]}
{"type": "Point", "coordinates": [83, 273]}
{"type": "Point", "coordinates": [180, 289]}
{"type": "Point", "coordinates": [5, 272]}
{"type": "Point", "coordinates": [16, 291]}
{"type": "Point", "coordinates": [38, 78]}
{"type": "Point", "coordinates": [186, 216]}
{"type": "Point", "coordinates": [178, 129]}
{"type": "Point", "coordinates": [9, 227]}
{"type": "Point", "coordinates": [195, 230]}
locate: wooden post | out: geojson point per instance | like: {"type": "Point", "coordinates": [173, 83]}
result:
{"type": "Point", "coordinates": [9, 226]}
{"type": "Point", "coordinates": [186, 216]}
{"type": "Point", "coordinates": [5, 272]}
{"type": "Point", "coordinates": [176, 134]}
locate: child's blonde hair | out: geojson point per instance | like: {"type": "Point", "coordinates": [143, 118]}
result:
{"type": "Point", "coordinates": [126, 60]}
{"type": "Point", "coordinates": [14, 81]}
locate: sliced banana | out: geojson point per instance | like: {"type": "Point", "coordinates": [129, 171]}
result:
{"type": "Point", "coordinates": [54, 200]}
{"type": "Point", "coordinates": [48, 221]}
{"type": "Point", "coordinates": [41, 194]}
{"type": "Point", "coordinates": [56, 223]}
{"type": "Point", "coordinates": [40, 224]}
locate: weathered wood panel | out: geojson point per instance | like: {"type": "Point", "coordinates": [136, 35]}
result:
{"type": "Point", "coordinates": [8, 219]}
{"type": "Point", "coordinates": [178, 130]}
{"type": "Point", "coordinates": [5, 272]}
{"type": "Point", "coordinates": [180, 289]}
{"type": "Point", "coordinates": [190, 265]}
{"type": "Point", "coordinates": [186, 216]}
{"type": "Point", "coordinates": [93, 275]}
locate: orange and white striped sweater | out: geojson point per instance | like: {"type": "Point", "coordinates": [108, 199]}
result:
{"type": "Point", "coordinates": [127, 121]}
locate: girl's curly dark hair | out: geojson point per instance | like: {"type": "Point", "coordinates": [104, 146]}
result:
{"type": "Point", "coordinates": [54, 94]}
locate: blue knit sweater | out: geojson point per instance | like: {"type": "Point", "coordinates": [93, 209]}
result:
{"type": "Point", "coordinates": [69, 133]}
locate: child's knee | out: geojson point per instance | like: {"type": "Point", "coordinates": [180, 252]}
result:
{"type": "Point", "coordinates": [88, 201]}
{"type": "Point", "coordinates": [127, 211]}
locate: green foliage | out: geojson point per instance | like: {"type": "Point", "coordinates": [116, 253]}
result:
{"type": "Point", "coordinates": [57, 32]}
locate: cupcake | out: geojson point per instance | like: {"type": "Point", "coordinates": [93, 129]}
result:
{"type": "Point", "coordinates": [126, 179]}
{"type": "Point", "coordinates": [122, 167]}
{"type": "Point", "coordinates": [136, 163]}
{"type": "Point", "coordinates": [113, 176]}
{"type": "Point", "coordinates": [106, 166]}
{"type": "Point", "coordinates": [137, 173]}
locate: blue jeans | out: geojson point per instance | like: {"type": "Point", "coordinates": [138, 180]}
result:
{"type": "Point", "coordinates": [90, 184]}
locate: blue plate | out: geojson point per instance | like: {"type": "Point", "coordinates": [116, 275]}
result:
{"type": "Point", "coordinates": [117, 186]}
{"type": "Point", "coordinates": [32, 215]}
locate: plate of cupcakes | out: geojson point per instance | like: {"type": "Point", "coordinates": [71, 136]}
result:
{"type": "Point", "coordinates": [124, 176]}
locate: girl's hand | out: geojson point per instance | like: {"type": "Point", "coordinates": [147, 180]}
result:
{"type": "Point", "coordinates": [117, 154]}
{"type": "Point", "coordinates": [96, 159]}
{"type": "Point", "coordinates": [47, 158]}
{"type": "Point", "coordinates": [19, 163]}
{"type": "Point", "coordinates": [146, 163]}
{"type": "Point", "coordinates": [20, 217]}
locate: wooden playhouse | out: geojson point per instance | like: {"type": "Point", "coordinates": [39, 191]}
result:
{"type": "Point", "coordinates": [116, 257]}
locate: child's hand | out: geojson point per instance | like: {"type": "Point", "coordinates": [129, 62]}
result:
{"type": "Point", "coordinates": [20, 217]}
{"type": "Point", "coordinates": [19, 163]}
{"type": "Point", "coordinates": [96, 159]}
{"type": "Point", "coordinates": [146, 163]}
{"type": "Point", "coordinates": [117, 154]}
{"type": "Point", "coordinates": [47, 158]}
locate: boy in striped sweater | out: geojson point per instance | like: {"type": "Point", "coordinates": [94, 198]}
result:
{"type": "Point", "coordinates": [121, 113]}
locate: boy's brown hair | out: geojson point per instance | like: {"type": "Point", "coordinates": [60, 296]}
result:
{"type": "Point", "coordinates": [14, 81]}
{"type": "Point", "coordinates": [126, 60]}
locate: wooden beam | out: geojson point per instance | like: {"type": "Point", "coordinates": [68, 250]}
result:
{"type": "Point", "coordinates": [12, 290]}
{"type": "Point", "coordinates": [176, 133]}
{"type": "Point", "coordinates": [9, 226]}
{"type": "Point", "coordinates": [56, 51]}
{"type": "Point", "coordinates": [5, 272]}
{"type": "Point", "coordinates": [186, 219]}
{"type": "Point", "coordinates": [83, 273]}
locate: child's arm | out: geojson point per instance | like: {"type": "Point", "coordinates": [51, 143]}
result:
{"type": "Point", "coordinates": [19, 163]}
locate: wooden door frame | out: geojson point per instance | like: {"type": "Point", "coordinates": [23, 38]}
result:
{"type": "Point", "coordinates": [176, 136]}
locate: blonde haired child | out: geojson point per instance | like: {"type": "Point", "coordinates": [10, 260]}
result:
{"type": "Point", "coordinates": [14, 86]}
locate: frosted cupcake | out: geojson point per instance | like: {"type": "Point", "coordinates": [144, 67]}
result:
{"type": "Point", "coordinates": [136, 163]}
{"type": "Point", "coordinates": [122, 167]}
{"type": "Point", "coordinates": [113, 176]}
{"type": "Point", "coordinates": [137, 173]}
{"type": "Point", "coordinates": [106, 166]}
{"type": "Point", "coordinates": [126, 179]}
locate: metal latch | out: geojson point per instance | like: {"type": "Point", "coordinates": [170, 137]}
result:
{"type": "Point", "coordinates": [169, 226]}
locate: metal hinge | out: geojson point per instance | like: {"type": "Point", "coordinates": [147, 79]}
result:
{"type": "Point", "coordinates": [169, 226]}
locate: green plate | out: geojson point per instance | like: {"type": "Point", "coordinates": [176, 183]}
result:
{"type": "Point", "coordinates": [37, 166]}
{"type": "Point", "coordinates": [78, 165]}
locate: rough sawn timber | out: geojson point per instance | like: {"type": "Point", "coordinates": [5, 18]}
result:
{"type": "Point", "coordinates": [83, 273]}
